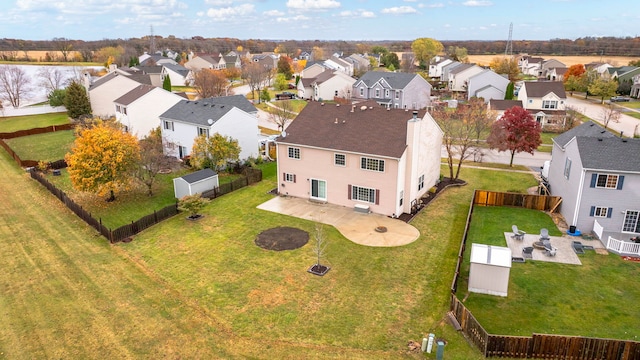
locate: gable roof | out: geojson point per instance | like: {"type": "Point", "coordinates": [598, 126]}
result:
{"type": "Point", "coordinates": [140, 78]}
{"type": "Point", "coordinates": [199, 175]}
{"type": "Point", "coordinates": [376, 130]}
{"type": "Point", "coordinates": [586, 129]}
{"type": "Point", "coordinates": [610, 153]}
{"type": "Point", "coordinates": [460, 68]}
{"type": "Point", "coordinates": [539, 89]}
{"type": "Point", "coordinates": [397, 80]}
{"type": "Point", "coordinates": [177, 69]}
{"type": "Point", "coordinates": [134, 94]}
{"type": "Point", "coordinates": [199, 112]}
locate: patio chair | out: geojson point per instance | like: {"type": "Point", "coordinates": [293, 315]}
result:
{"type": "Point", "coordinates": [549, 250]}
{"type": "Point", "coordinates": [527, 252]}
{"type": "Point", "coordinates": [517, 234]}
{"type": "Point", "coordinates": [544, 234]}
{"type": "Point", "coordinates": [577, 247]}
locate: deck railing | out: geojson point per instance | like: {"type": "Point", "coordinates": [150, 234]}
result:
{"type": "Point", "coordinates": [623, 247]}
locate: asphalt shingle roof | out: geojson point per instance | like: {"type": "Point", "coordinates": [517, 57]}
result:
{"type": "Point", "coordinates": [199, 175]}
{"type": "Point", "coordinates": [134, 94]}
{"type": "Point", "coordinates": [495, 104]}
{"type": "Point", "coordinates": [376, 130]}
{"type": "Point", "coordinates": [539, 89]}
{"type": "Point", "coordinates": [397, 80]}
{"type": "Point", "coordinates": [587, 129]}
{"type": "Point", "coordinates": [610, 153]}
{"type": "Point", "coordinates": [200, 111]}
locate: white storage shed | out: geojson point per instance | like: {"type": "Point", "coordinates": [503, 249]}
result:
{"type": "Point", "coordinates": [489, 270]}
{"type": "Point", "coordinates": [195, 183]}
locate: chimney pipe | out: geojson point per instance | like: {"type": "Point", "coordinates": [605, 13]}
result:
{"type": "Point", "coordinates": [415, 114]}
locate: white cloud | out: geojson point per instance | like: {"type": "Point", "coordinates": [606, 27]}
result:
{"type": "Point", "coordinates": [357, 13]}
{"type": "Point", "coordinates": [436, 5]}
{"type": "Point", "coordinates": [312, 4]}
{"type": "Point", "coordinates": [219, 2]}
{"type": "Point", "coordinates": [477, 3]}
{"type": "Point", "coordinates": [273, 13]}
{"type": "Point", "coordinates": [399, 10]}
{"type": "Point", "coordinates": [292, 19]}
{"type": "Point", "coordinates": [228, 12]}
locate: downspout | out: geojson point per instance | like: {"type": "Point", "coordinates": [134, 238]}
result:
{"type": "Point", "coordinates": [579, 197]}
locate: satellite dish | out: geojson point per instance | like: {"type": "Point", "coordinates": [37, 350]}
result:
{"type": "Point", "coordinates": [210, 121]}
{"type": "Point", "coordinates": [284, 134]}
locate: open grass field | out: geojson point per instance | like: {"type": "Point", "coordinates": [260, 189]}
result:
{"type": "Point", "coordinates": [593, 299]}
{"type": "Point", "coordinates": [204, 290]}
{"type": "Point", "coordinates": [567, 60]}
{"type": "Point", "coordinates": [47, 147]}
{"type": "Point", "coordinates": [15, 123]}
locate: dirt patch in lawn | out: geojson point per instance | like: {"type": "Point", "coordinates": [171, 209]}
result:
{"type": "Point", "coordinates": [282, 238]}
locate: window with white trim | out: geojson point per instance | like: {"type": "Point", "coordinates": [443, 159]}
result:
{"type": "Point", "coordinates": [377, 93]}
{"type": "Point", "coordinates": [340, 159]}
{"type": "Point", "coordinates": [203, 131]}
{"type": "Point", "coordinates": [631, 223]}
{"type": "Point", "coordinates": [549, 104]}
{"type": "Point", "coordinates": [336, 93]}
{"type": "Point", "coordinates": [420, 182]}
{"type": "Point", "coordinates": [168, 125]}
{"type": "Point", "coordinates": [607, 181]}
{"type": "Point", "coordinates": [124, 110]}
{"type": "Point", "coordinates": [294, 152]}
{"type": "Point", "coordinates": [289, 177]}
{"type": "Point", "coordinates": [600, 211]}
{"type": "Point", "coordinates": [118, 108]}
{"type": "Point", "coordinates": [361, 91]}
{"type": "Point", "coordinates": [371, 164]}
{"type": "Point", "coordinates": [567, 168]}
{"type": "Point", "coordinates": [401, 196]}
{"type": "Point", "coordinates": [386, 93]}
{"type": "Point", "coordinates": [397, 94]}
{"type": "Point", "coordinates": [363, 194]}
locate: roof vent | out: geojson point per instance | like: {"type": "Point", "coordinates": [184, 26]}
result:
{"type": "Point", "coordinates": [599, 139]}
{"type": "Point", "coordinates": [353, 107]}
{"type": "Point", "coordinates": [624, 140]}
{"type": "Point", "coordinates": [337, 105]}
{"type": "Point", "coordinates": [363, 107]}
{"type": "Point", "coordinates": [370, 107]}
{"type": "Point", "coordinates": [335, 122]}
{"type": "Point", "coordinates": [321, 104]}
{"type": "Point", "coordinates": [344, 121]}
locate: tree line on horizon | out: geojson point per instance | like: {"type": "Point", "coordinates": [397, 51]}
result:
{"type": "Point", "coordinates": [603, 46]}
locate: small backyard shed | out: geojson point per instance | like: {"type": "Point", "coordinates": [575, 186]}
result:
{"type": "Point", "coordinates": [195, 183]}
{"type": "Point", "coordinates": [489, 270]}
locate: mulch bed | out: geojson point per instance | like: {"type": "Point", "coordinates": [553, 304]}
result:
{"type": "Point", "coordinates": [282, 238]}
{"type": "Point", "coordinates": [429, 196]}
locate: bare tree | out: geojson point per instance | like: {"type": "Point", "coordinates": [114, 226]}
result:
{"type": "Point", "coordinates": [51, 78]}
{"type": "Point", "coordinates": [571, 119]}
{"type": "Point", "coordinates": [255, 75]}
{"type": "Point", "coordinates": [152, 158]}
{"type": "Point", "coordinates": [63, 45]}
{"type": "Point", "coordinates": [282, 114]}
{"type": "Point", "coordinates": [610, 113]}
{"type": "Point", "coordinates": [14, 84]}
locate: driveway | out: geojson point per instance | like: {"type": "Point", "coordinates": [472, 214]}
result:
{"type": "Point", "coordinates": [627, 125]}
{"type": "Point", "coordinates": [357, 227]}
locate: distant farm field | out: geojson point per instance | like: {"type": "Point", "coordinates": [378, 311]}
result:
{"type": "Point", "coordinates": [567, 60]}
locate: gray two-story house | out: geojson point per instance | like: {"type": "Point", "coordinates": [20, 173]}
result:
{"type": "Point", "coordinates": [597, 174]}
{"type": "Point", "coordinates": [393, 89]}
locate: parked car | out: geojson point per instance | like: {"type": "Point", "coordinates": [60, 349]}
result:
{"type": "Point", "coordinates": [285, 96]}
{"type": "Point", "coordinates": [619, 99]}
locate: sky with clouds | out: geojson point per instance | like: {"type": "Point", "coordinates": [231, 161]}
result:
{"type": "Point", "coordinates": [319, 19]}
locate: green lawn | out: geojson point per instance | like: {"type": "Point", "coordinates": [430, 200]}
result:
{"type": "Point", "coordinates": [587, 300]}
{"type": "Point", "coordinates": [130, 205]}
{"type": "Point", "coordinates": [47, 147]}
{"type": "Point", "coordinates": [15, 123]}
{"type": "Point", "coordinates": [634, 104]}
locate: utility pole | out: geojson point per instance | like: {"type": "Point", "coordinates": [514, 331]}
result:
{"type": "Point", "coordinates": [152, 42]}
{"type": "Point", "coordinates": [508, 51]}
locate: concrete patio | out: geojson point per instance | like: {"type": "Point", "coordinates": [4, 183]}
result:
{"type": "Point", "coordinates": [564, 254]}
{"type": "Point", "coordinates": [357, 227]}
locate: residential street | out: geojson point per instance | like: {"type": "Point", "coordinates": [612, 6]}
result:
{"type": "Point", "coordinates": [627, 124]}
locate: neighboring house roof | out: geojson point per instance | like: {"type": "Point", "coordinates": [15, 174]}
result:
{"type": "Point", "coordinates": [538, 89]}
{"type": "Point", "coordinates": [500, 105]}
{"type": "Point", "coordinates": [397, 80]}
{"type": "Point", "coordinates": [460, 68]}
{"type": "Point", "coordinates": [178, 69]}
{"type": "Point", "coordinates": [609, 153]}
{"type": "Point", "coordinates": [155, 69]}
{"type": "Point", "coordinates": [560, 70]}
{"type": "Point", "coordinates": [375, 131]}
{"type": "Point", "coordinates": [199, 175]}
{"type": "Point", "coordinates": [306, 82]}
{"type": "Point", "coordinates": [141, 78]}
{"type": "Point", "coordinates": [312, 63]}
{"type": "Point", "coordinates": [199, 112]}
{"type": "Point", "coordinates": [587, 129]}
{"type": "Point", "coordinates": [134, 94]}
{"type": "Point", "coordinates": [621, 69]}
{"type": "Point", "coordinates": [323, 76]}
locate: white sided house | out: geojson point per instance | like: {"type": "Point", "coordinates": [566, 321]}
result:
{"type": "Point", "coordinates": [106, 89]}
{"type": "Point", "coordinates": [139, 110]}
{"type": "Point", "coordinates": [545, 100]}
{"type": "Point", "coordinates": [367, 156]}
{"type": "Point", "coordinates": [232, 116]}
{"type": "Point", "coordinates": [395, 90]}
{"type": "Point", "coordinates": [331, 84]}
{"type": "Point", "coordinates": [487, 85]}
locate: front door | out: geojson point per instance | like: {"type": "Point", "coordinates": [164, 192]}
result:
{"type": "Point", "coordinates": [318, 190]}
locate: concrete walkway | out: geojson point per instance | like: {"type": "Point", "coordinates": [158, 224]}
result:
{"type": "Point", "coordinates": [357, 227]}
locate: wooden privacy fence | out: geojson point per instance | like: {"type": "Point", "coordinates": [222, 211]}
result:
{"type": "Point", "coordinates": [21, 163]}
{"type": "Point", "coordinates": [542, 346]}
{"type": "Point", "coordinates": [35, 131]}
{"type": "Point", "coordinates": [536, 202]}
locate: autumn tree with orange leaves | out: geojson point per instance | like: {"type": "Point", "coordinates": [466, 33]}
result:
{"type": "Point", "coordinates": [102, 160]}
